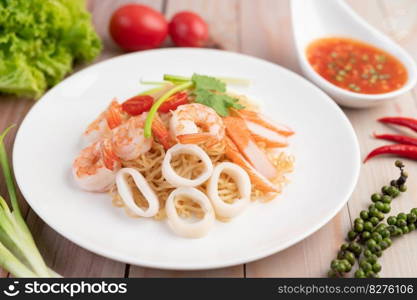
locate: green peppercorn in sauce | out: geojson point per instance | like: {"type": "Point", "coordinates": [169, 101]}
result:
{"type": "Point", "coordinates": [356, 66]}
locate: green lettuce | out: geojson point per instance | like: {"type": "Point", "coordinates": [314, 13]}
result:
{"type": "Point", "coordinates": [40, 41]}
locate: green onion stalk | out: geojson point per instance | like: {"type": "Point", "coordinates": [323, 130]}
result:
{"type": "Point", "coordinates": [228, 80]}
{"type": "Point", "coordinates": [18, 252]}
{"type": "Point", "coordinates": [157, 104]}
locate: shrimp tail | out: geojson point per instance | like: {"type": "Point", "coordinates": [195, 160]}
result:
{"type": "Point", "coordinates": [128, 139]}
{"type": "Point", "coordinates": [161, 133]}
{"type": "Point", "coordinates": [95, 167]}
{"type": "Point", "coordinates": [113, 115]}
{"type": "Point", "coordinates": [108, 155]}
{"type": "Point", "coordinates": [101, 127]}
{"type": "Point", "coordinates": [197, 124]}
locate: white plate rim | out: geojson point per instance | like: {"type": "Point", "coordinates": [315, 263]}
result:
{"type": "Point", "coordinates": [231, 262]}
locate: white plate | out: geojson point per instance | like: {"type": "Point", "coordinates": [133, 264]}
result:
{"type": "Point", "coordinates": [325, 147]}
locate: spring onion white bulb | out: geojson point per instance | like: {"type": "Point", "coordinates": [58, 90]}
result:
{"type": "Point", "coordinates": [126, 193]}
{"type": "Point", "coordinates": [241, 178]}
{"type": "Point", "coordinates": [181, 226]}
{"type": "Point", "coordinates": [176, 180]}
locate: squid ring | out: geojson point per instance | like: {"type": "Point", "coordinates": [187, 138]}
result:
{"type": "Point", "coordinates": [173, 178]}
{"type": "Point", "coordinates": [182, 227]}
{"type": "Point", "coordinates": [242, 180]}
{"type": "Point", "coordinates": [126, 194]}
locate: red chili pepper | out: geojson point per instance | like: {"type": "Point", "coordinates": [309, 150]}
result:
{"type": "Point", "coordinates": [406, 122]}
{"type": "Point", "coordinates": [408, 151]}
{"type": "Point", "coordinates": [400, 139]}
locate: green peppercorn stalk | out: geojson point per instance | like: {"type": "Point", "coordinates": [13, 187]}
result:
{"type": "Point", "coordinates": [369, 233]}
{"type": "Point", "coordinates": [396, 226]}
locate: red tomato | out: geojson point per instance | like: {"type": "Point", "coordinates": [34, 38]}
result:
{"type": "Point", "coordinates": [137, 105]}
{"type": "Point", "coordinates": [138, 27]}
{"type": "Point", "coordinates": [173, 102]}
{"type": "Point", "coordinates": [188, 29]}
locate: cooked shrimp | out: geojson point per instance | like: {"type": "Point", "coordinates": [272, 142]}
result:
{"type": "Point", "coordinates": [239, 133]}
{"type": "Point", "coordinates": [101, 127]}
{"type": "Point", "coordinates": [195, 123]}
{"type": "Point", "coordinates": [257, 179]}
{"type": "Point", "coordinates": [95, 168]}
{"type": "Point", "coordinates": [129, 140]}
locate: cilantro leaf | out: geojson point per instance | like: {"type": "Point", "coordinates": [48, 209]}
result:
{"type": "Point", "coordinates": [219, 102]}
{"type": "Point", "coordinates": [208, 83]}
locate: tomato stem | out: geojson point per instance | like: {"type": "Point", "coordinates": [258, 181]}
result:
{"type": "Point", "coordinates": [157, 104]}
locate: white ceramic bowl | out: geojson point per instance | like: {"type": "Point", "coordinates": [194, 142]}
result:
{"type": "Point", "coordinates": [325, 18]}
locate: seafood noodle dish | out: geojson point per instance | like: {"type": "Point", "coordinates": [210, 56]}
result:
{"type": "Point", "coordinates": [186, 152]}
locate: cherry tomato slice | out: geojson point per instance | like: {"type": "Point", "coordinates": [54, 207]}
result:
{"type": "Point", "coordinates": [173, 102]}
{"type": "Point", "coordinates": [137, 105]}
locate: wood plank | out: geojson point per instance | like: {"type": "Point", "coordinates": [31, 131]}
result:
{"type": "Point", "coordinates": [232, 272]}
{"type": "Point", "coordinates": [380, 171]}
{"type": "Point", "coordinates": [309, 258]}
{"type": "Point", "coordinates": [372, 11]}
{"type": "Point", "coordinates": [401, 16]}
{"type": "Point", "coordinates": [68, 259]}
{"type": "Point", "coordinates": [401, 20]}
{"type": "Point", "coordinates": [267, 33]}
{"type": "Point", "coordinates": [221, 17]}
{"type": "Point", "coordinates": [102, 10]}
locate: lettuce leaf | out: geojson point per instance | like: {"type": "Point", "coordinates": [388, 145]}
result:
{"type": "Point", "coordinates": [40, 40]}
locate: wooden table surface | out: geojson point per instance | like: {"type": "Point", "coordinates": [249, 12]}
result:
{"type": "Point", "coordinates": [260, 28]}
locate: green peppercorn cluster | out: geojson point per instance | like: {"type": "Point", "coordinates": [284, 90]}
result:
{"type": "Point", "coordinates": [370, 236]}
{"type": "Point", "coordinates": [381, 240]}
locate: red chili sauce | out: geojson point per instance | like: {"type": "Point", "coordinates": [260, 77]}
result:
{"type": "Point", "coordinates": [355, 66]}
